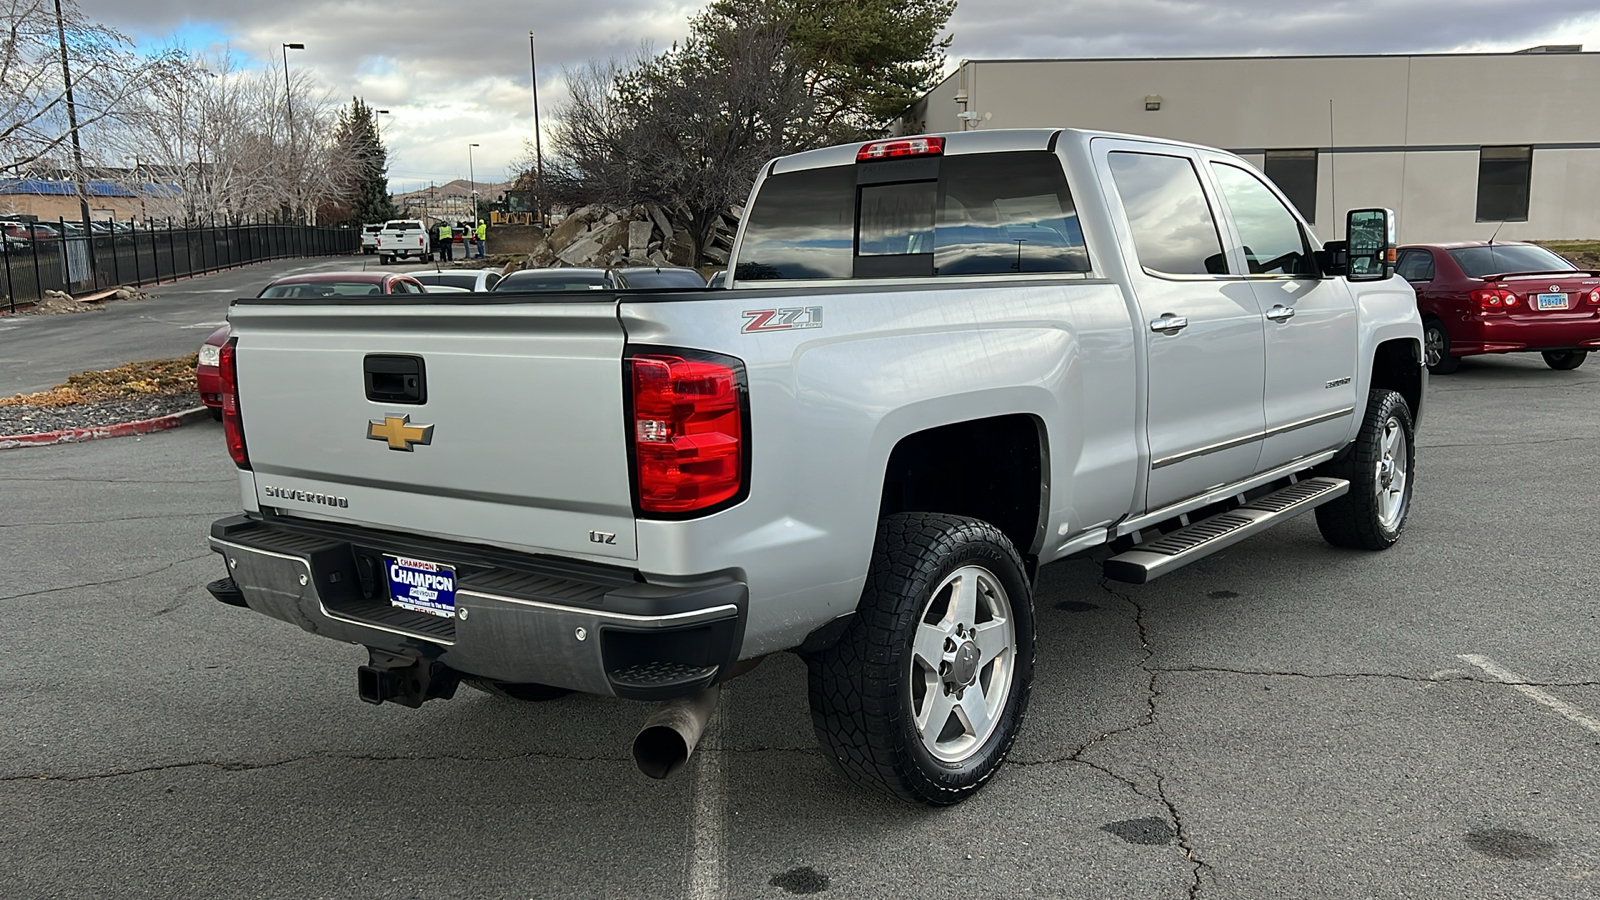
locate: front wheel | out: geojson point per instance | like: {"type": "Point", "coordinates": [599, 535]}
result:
{"type": "Point", "coordinates": [1379, 467]}
{"type": "Point", "coordinates": [1436, 348]}
{"type": "Point", "coordinates": [923, 694]}
{"type": "Point", "coordinates": [1564, 360]}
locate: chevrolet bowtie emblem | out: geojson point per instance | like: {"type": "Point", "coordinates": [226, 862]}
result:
{"type": "Point", "coordinates": [399, 432]}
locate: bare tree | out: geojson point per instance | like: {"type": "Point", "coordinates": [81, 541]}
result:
{"type": "Point", "coordinates": [33, 107]}
{"type": "Point", "coordinates": [688, 128]}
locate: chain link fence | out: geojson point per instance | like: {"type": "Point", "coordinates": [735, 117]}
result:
{"type": "Point", "coordinates": [49, 258]}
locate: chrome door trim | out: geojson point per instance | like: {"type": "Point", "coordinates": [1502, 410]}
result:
{"type": "Point", "coordinates": [1207, 449]}
{"type": "Point", "coordinates": [1307, 423]}
{"type": "Point", "coordinates": [1245, 439]}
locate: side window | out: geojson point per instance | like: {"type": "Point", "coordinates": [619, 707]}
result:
{"type": "Point", "coordinates": [1174, 231]}
{"type": "Point", "coordinates": [1274, 243]}
{"type": "Point", "coordinates": [1004, 213]}
{"type": "Point", "coordinates": [401, 286]}
{"type": "Point", "coordinates": [490, 280]}
{"type": "Point", "coordinates": [1416, 266]}
{"type": "Point", "coordinates": [802, 226]}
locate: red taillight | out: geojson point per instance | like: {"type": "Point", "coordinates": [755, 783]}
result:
{"type": "Point", "coordinates": [688, 432]}
{"type": "Point", "coordinates": [1494, 298]}
{"type": "Point", "coordinates": [917, 146]}
{"type": "Point", "coordinates": [1594, 296]}
{"type": "Point", "coordinates": [232, 427]}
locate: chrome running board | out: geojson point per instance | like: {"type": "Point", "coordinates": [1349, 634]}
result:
{"type": "Point", "coordinates": [1176, 549]}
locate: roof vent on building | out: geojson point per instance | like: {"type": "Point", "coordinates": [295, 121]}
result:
{"type": "Point", "coordinates": [1554, 48]}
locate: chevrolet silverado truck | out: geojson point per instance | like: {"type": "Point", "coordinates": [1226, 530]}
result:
{"type": "Point", "coordinates": [402, 239]}
{"type": "Point", "coordinates": [935, 364]}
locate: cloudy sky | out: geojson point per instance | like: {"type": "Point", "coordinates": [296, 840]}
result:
{"type": "Point", "coordinates": [457, 72]}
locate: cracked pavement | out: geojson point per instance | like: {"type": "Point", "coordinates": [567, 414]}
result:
{"type": "Point", "coordinates": [1280, 720]}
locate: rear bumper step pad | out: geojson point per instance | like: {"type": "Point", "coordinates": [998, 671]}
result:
{"type": "Point", "coordinates": [1172, 551]}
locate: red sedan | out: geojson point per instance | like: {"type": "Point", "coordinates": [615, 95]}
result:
{"type": "Point", "coordinates": [1477, 297]}
{"type": "Point", "coordinates": [319, 284]}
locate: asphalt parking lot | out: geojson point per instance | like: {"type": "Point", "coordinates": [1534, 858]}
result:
{"type": "Point", "coordinates": [1280, 720]}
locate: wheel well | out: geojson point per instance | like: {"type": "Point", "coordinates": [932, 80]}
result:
{"type": "Point", "coordinates": [990, 469]}
{"type": "Point", "coordinates": [1396, 366]}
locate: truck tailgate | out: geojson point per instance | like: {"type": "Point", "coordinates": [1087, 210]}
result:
{"type": "Point", "coordinates": [519, 433]}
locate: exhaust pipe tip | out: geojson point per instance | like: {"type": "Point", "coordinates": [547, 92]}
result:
{"type": "Point", "coordinates": [669, 737]}
{"type": "Point", "coordinates": [660, 751]}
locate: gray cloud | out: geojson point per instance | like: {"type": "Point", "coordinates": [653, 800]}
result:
{"type": "Point", "coordinates": [458, 72]}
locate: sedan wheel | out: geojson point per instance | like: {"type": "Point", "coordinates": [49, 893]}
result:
{"type": "Point", "coordinates": [1436, 348]}
{"type": "Point", "coordinates": [1564, 360]}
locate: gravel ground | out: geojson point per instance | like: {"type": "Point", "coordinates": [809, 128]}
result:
{"type": "Point", "coordinates": [18, 420]}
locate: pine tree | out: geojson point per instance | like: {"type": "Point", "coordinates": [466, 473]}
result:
{"type": "Point", "coordinates": [366, 195]}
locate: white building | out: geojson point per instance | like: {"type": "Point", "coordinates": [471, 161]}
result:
{"type": "Point", "coordinates": [1457, 144]}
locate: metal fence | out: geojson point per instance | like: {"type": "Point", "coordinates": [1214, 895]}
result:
{"type": "Point", "coordinates": [144, 255]}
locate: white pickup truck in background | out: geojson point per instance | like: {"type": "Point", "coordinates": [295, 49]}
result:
{"type": "Point", "coordinates": [403, 239]}
{"type": "Point", "coordinates": [935, 365]}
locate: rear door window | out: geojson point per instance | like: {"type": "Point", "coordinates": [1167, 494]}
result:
{"type": "Point", "coordinates": [981, 214]}
{"type": "Point", "coordinates": [1174, 230]}
{"type": "Point", "coordinates": [1416, 266]}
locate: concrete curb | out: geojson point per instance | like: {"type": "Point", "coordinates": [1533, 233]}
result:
{"type": "Point", "coordinates": [77, 435]}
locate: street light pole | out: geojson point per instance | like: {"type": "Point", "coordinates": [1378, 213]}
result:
{"type": "Point", "coordinates": [538, 147]}
{"type": "Point", "coordinates": [288, 102]}
{"type": "Point", "coordinates": [472, 184]}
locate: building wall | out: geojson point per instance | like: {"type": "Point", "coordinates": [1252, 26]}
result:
{"type": "Point", "coordinates": [1404, 131]}
{"type": "Point", "coordinates": [50, 207]}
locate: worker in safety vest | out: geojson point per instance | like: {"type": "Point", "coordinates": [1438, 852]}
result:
{"type": "Point", "coordinates": [446, 238]}
{"type": "Point", "coordinates": [483, 236]}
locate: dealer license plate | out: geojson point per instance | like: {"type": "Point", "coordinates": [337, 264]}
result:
{"type": "Point", "coordinates": [1552, 301]}
{"type": "Point", "coordinates": [421, 586]}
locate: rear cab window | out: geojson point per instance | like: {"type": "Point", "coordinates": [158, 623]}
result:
{"type": "Point", "coordinates": [978, 214]}
{"type": "Point", "coordinates": [1505, 259]}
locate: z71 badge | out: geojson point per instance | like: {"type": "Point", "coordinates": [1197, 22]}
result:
{"type": "Point", "coordinates": [781, 319]}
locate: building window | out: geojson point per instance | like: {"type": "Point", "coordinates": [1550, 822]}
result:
{"type": "Point", "coordinates": [1503, 177]}
{"type": "Point", "coordinates": [1295, 173]}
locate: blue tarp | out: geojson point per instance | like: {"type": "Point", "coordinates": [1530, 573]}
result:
{"type": "Point", "coordinates": [68, 189]}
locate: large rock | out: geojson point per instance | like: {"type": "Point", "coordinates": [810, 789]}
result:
{"type": "Point", "coordinates": [570, 227]}
{"type": "Point", "coordinates": [581, 251]}
{"type": "Point", "coordinates": [716, 256]}
{"type": "Point", "coordinates": [639, 236]}
{"type": "Point", "coordinates": [681, 249]}
{"type": "Point", "coordinates": [659, 216]}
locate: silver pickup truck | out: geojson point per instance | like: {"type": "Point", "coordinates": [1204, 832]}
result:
{"type": "Point", "coordinates": [935, 365]}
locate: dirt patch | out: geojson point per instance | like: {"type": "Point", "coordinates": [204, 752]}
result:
{"type": "Point", "coordinates": [151, 378]}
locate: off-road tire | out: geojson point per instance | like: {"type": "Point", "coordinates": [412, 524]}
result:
{"type": "Point", "coordinates": [1564, 360]}
{"type": "Point", "coordinates": [532, 693]}
{"type": "Point", "coordinates": [1434, 335]}
{"type": "Point", "coordinates": [1354, 521]}
{"type": "Point", "coordinates": [860, 692]}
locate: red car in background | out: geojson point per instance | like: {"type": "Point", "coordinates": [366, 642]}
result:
{"type": "Point", "coordinates": [1480, 297]}
{"type": "Point", "coordinates": [318, 284]}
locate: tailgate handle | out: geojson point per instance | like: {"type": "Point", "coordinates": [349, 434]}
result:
{"type": "Point", "coordinates": [395, 379]}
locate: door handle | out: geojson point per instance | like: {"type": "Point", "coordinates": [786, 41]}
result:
{"type": "Point", "coordinates": [1280, 313]}
{"type": "Point", "coordinates": [1169, 324]}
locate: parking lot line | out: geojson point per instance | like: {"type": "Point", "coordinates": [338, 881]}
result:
{"type": "Point", "coordinates": [1519, 684]}
{"type": "Point", "coordinates": [708, 816]}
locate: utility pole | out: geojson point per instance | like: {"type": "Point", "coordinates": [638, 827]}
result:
{"type": "Point", "coordinates": [538, 148]}
{"type": "Point", "coordinates": [288, 101]}
{"type": "Point", "coordinates": [77, 146]}
{"type": "Point", "coordinates": [472, 185]}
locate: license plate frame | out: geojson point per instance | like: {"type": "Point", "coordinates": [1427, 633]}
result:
{"type": "Point", "coordinates": [1551, 301]}
{"type": "Point", "coordinates": [420, 586]}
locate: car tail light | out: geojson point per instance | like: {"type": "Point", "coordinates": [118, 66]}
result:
{"type": "Point", "coordinates": [1594, 296]}
{"type": "Point", "coordinates": [232, 427]}
{"type": "Point", "coordinates": [1494, 298]}
{"type": "Point", "coordinates": [917, 146]}
{"type": "Point", "coordinates": [689, 431]}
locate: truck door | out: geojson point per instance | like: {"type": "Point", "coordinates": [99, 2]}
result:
{"type": "Point", "coordinates": [1201, 324]}
{"type": "Point", "coordinates": [1310, 321]}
